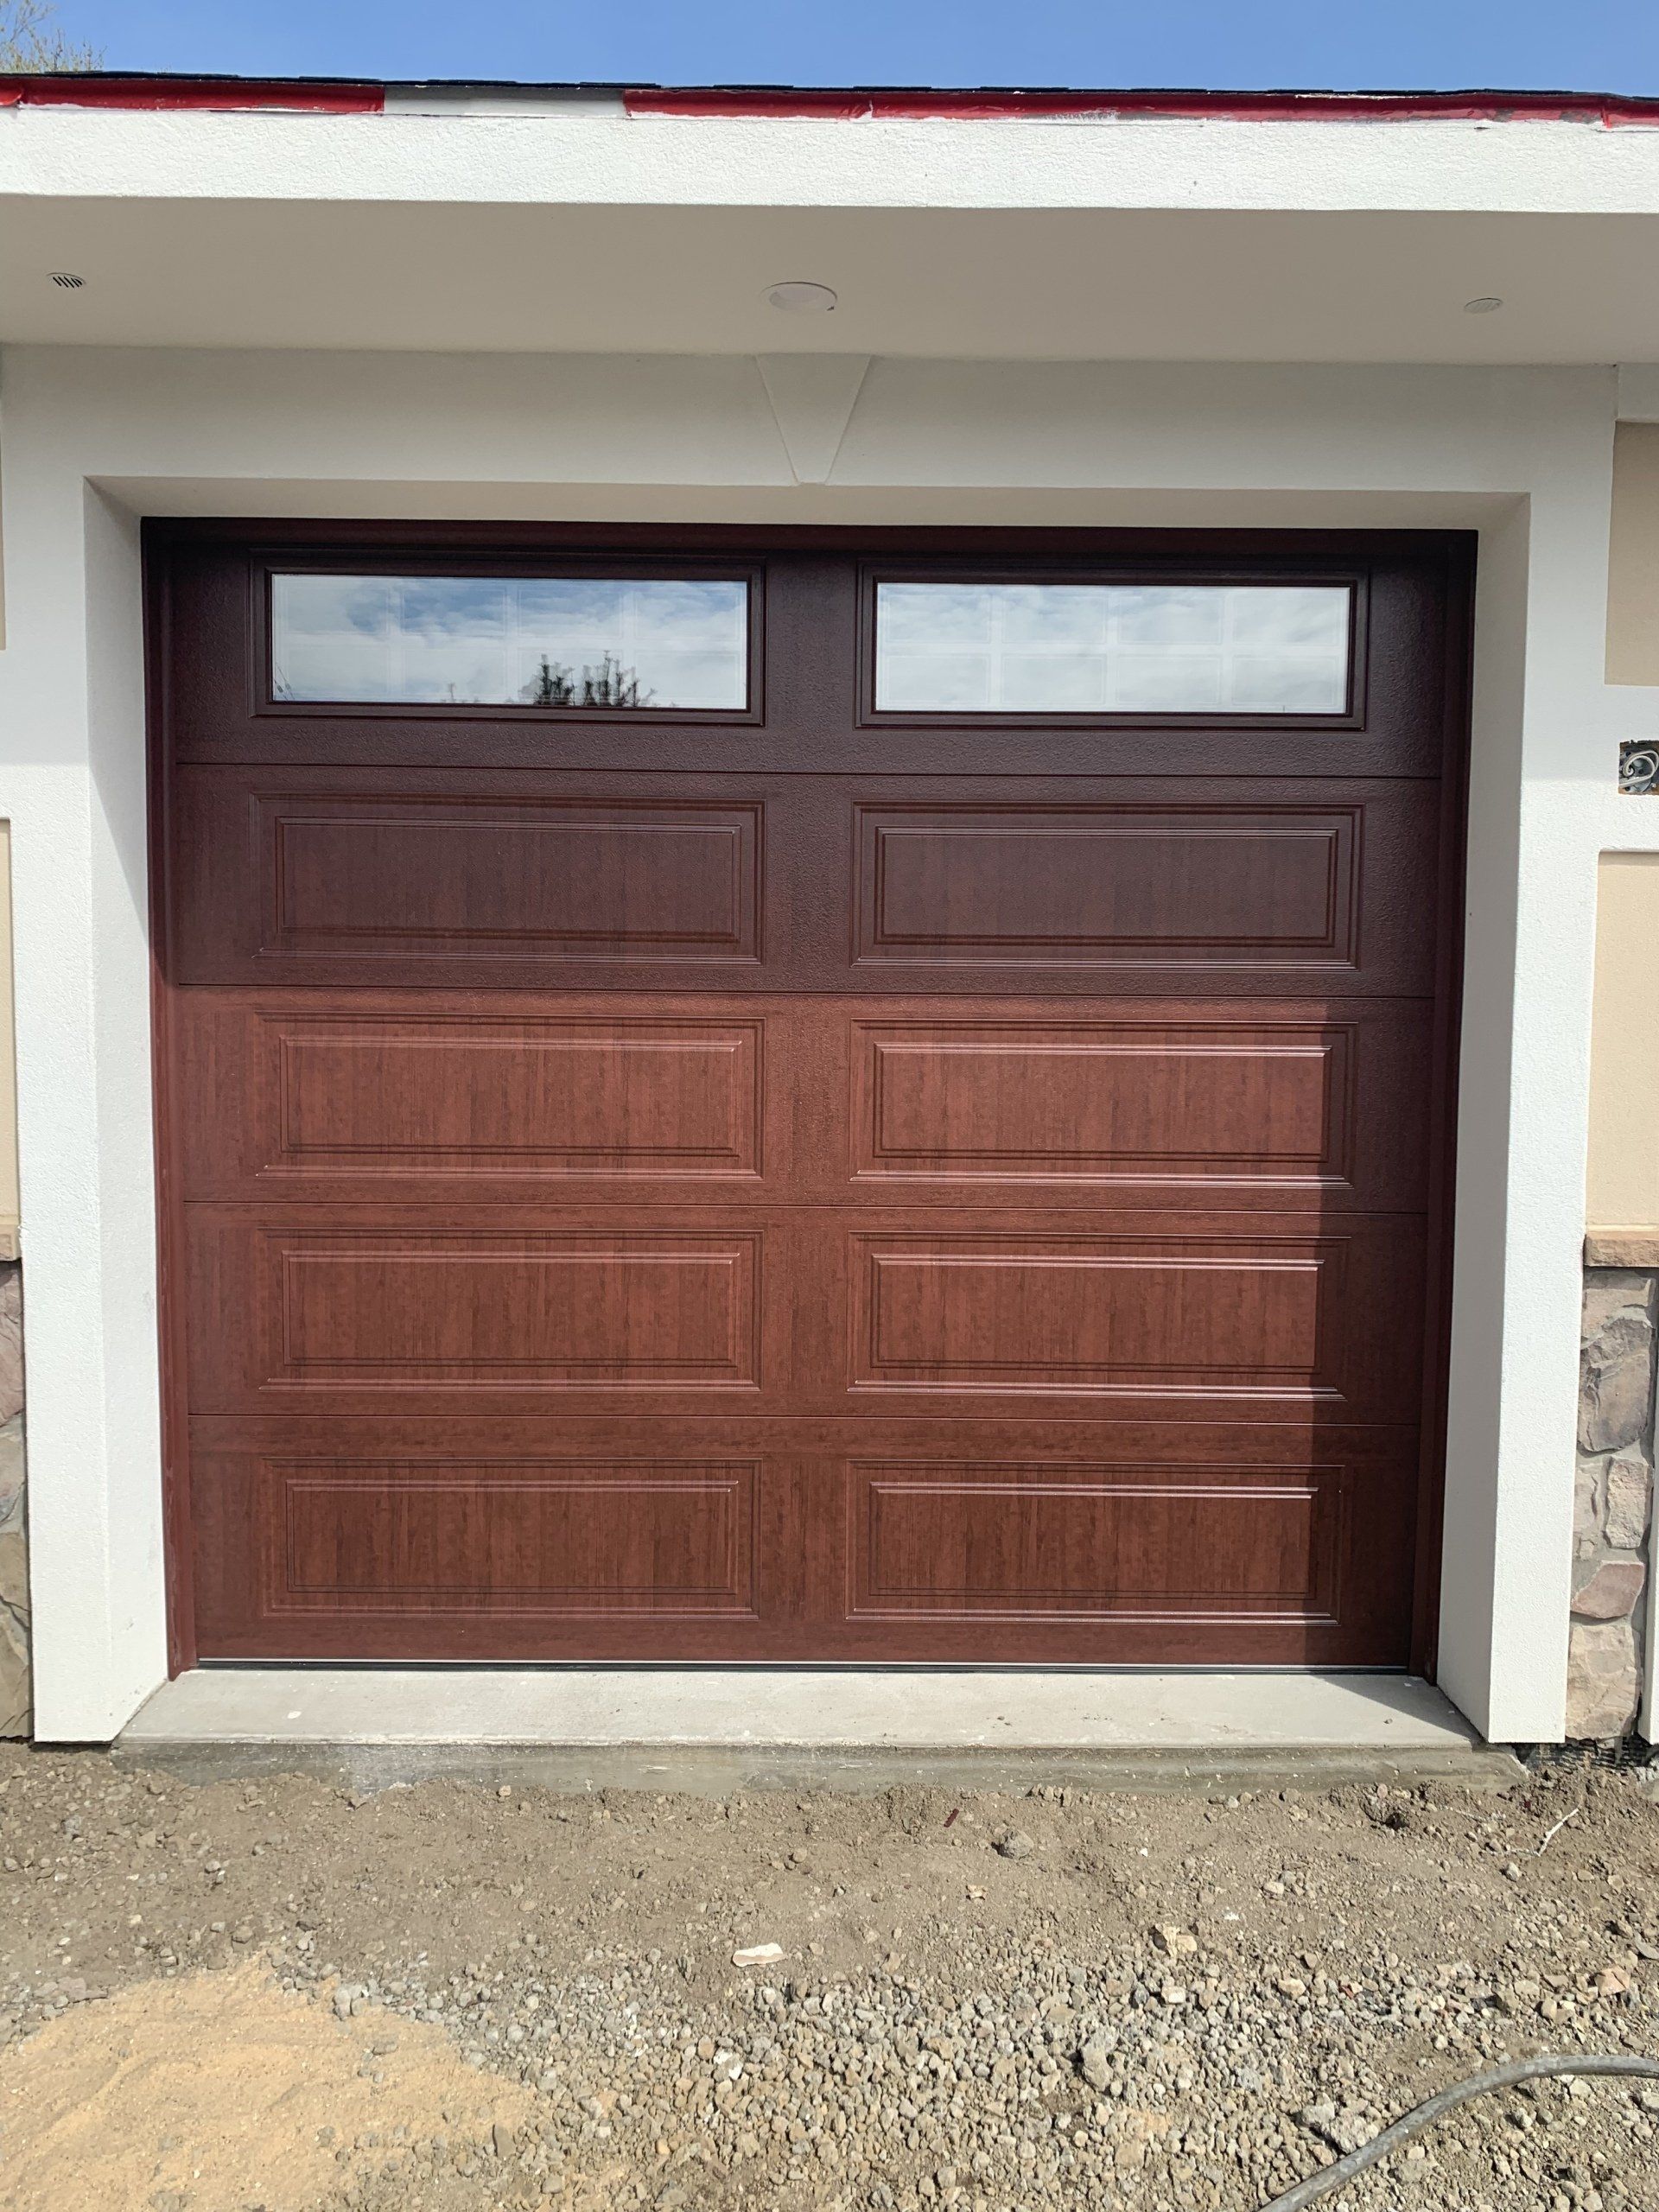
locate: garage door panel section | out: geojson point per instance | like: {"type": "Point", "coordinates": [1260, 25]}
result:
{"type": "Point", "coordinates": [384, 878]}
{"type": "Point", "coordinates": [1303, 1555]}
{"type": "Point", "coordinates": [343, 1096]}
{"type": "Point", "coordinates": [811, 599]}
{"type": "Point", "coordinates": [471, 1316]}
{"type": "Point", "coordinates": [319, 1549]}
{"type": "Point", "coordinates": [467, 881]}
{"type": "Point", "coordinates": [1055, 886]}
{"type": "Point", "coordinates": [563, 1097]}
{"type": "Point", "coordinates": [1009, 1541]}
{"type": "Point", "coordinates": [1109, 885]}
{"type": "Point", "coordinates": [556, 1537]}
{"type": "Point", "coordinates": [1191, 1322]}
{"type": "Point", "coordinates": [1191, 1102]}
{"type": "Point", "coordinates": [1263, 886]}
{"type": "Point", "coordinates": [549, 1098]}
{"type": "Point", "coordinates": [911, 1540]}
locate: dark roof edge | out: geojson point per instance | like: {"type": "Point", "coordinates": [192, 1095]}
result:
{"type": "Point", "coordinates": [104, 88]}
{"type": "Point", "coordinates": [142, 89]}
{"type": "Point", "coordinates": [1238, 106]}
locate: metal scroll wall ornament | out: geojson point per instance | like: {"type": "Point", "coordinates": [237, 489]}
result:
{"type": "Point", "coordinates": [1638, 767]}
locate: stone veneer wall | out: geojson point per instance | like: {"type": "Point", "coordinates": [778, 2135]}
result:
{"type": "Point", "coordinates": [15, 1703]}
{"type": "Point", "coordinates": [1613, 1502]}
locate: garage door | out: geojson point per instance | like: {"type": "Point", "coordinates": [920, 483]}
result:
{"type": "Point", "coordinates": [739, 1100]}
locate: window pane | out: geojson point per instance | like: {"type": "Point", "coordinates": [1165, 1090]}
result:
{"type": "Point", "coordinates": [1167, 649]}
{"type": "Point", "coordinates": [496, 641]}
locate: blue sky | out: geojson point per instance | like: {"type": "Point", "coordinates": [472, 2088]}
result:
{"type": "Point", "coordinates": [1586, 45]}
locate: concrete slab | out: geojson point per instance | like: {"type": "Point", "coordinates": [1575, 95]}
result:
{"type": "Point", "coordinates": [716, 1729]}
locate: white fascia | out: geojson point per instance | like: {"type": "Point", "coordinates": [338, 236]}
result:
{"type": "Point", "coordinates": [582, 153]}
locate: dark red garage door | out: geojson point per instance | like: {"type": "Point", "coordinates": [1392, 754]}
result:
{"type": "Point", "coordinates": [738, 1099]}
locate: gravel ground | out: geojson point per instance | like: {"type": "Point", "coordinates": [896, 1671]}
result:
{"type": "Point", "coordinates": [1069, 1998]}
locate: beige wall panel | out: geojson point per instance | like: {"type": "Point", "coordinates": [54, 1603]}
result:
{"type": "Point", "coordinates": [1623, 1190]}
{"type": "Point", "coordinates": [1633, 556]}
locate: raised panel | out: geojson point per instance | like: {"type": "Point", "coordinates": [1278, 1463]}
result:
{"type": "Point", "coordinates": [1190, 887]}
{"type": "Point", "coordinates": [480, 1310]}
{"type": "Point", "coordinates": [1053, 1540]}
{"type": "Point", "coordinates": [1117, 1102]}
{"type": "Point", "coordinates": [465, 1094]}
{"type": "Point", "coordinates": [1165, 1316]}
{"type": "Point", "coordinates": [363, 876]}
{"type": "Point", "coordinates": [547, 1537]}
{"type": "Point", "coordinates": [599, 1310]}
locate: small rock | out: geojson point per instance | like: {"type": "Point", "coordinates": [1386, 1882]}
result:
{"type": "Point", "coordinates": [1630, 1491]}
{"type": "Point", "coordinates": [1615, 1395]}
{"type": "Point", "coordinates": [1095, 2062]}
{"type": "Point", "coordinates": [1014, 1843]}
{"type": "Point", "coordinates": [1604, 1679]}
{"type": "Point", "coordinates": [757, 1955]}
{"type": "Point", "coordinates": [1612, 1592]}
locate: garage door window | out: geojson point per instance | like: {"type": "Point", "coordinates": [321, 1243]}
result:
{"type": "Point", "coordinates": [613, 643]}
{"type": "Point", "coordinates": [1083, 648]}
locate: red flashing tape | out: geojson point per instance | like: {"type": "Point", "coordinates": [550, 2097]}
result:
{"type": "Point", "coordinates": [191, 93]}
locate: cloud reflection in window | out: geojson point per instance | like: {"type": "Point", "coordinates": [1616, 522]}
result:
{"type": "Point", "coordinates": [667, 643]}
{"type": "Point", "coordinates": [1112, 648]}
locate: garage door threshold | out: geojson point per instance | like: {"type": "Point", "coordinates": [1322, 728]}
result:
{"type": "Point", "coordinates": [715, 1729]}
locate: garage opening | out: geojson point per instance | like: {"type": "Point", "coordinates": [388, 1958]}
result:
{"type": "Point", "coordinates": [791, 1097]}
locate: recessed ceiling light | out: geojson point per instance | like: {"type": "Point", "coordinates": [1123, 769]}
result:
{"type": "Point", "coordinates": [796, 298]}
{"type": "Point", "coordinates": [1485, 305]}
{"type": "Point", "coordinates": [67, 281]}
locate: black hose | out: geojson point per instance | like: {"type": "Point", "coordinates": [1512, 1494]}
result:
{"type": "Point", "coordinates": [1424, 2115]}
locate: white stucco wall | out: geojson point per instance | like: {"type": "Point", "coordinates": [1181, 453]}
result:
{"type": "Point", "coordinates": [93, 438]}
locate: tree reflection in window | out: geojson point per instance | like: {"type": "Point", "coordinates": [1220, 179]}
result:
{"type": "Point", "coordinates": [616, 643]}
{"type": "Point", "coordinates": [610, 684]}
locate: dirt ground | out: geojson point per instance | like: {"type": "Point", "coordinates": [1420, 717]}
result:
{"type": "Point", "coordinates": [286, 1996]}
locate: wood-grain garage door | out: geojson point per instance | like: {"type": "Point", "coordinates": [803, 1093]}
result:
{"type": "Point", "coordinates": [727, 1098]}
